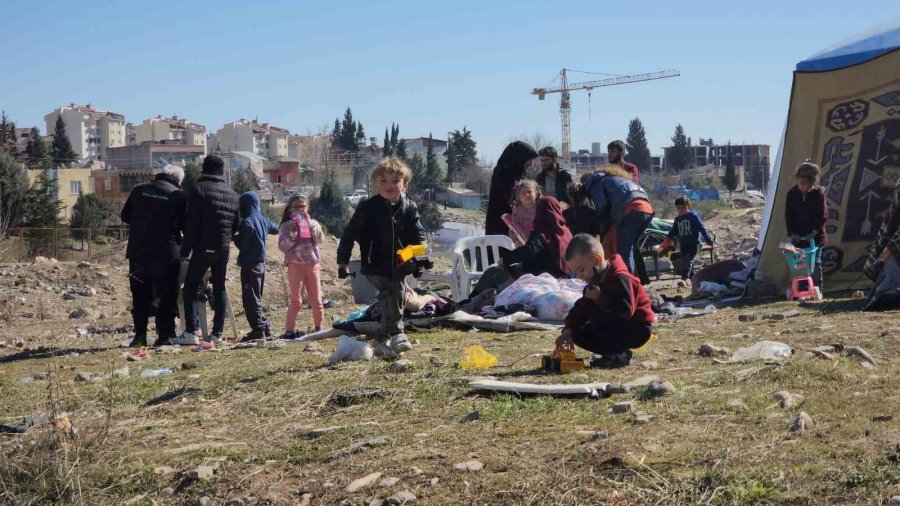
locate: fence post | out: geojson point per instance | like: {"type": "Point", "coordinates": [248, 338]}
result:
{"type": "Point", "coordinates": [55, 244]}
{"type": "Point", "coordinates": [88, 233]}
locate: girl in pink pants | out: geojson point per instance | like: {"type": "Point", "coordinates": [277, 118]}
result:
{"type": "Point", "coordinates": [299, 238]}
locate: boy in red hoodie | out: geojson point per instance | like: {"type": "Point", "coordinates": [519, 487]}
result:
{"type": "Point", "coordinates": [614, 315]}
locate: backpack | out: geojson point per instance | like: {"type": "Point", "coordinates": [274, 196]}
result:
{"type": "Point", "coordinates": [584, 217]}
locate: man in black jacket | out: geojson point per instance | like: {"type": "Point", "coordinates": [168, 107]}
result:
{"type": "Point", "coordinates": [554, 181]}
{"type": "Point", "coordinates": [212, 218]}
{"type": "Point", "coordinates": [154, 212]}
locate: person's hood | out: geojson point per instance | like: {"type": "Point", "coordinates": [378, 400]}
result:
{"type": "Point", "coordinates": [615, 266]}
{"type": "Point", "coordinates": [514, 157]}
{"type": "Point", "coordinates": [248, 203]}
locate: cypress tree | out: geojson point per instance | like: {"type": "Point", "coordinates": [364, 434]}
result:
{"type": "Point", "coordinates": [432, 168]}
{"type": "Point", "coordinates": [680, 156]}
{"type": "Point", "coordinates": [730, 180]}
{"type": "Point", "coordinates": [14, 194]}
{"type": "Point", "coordinates": [43, 201]}
{"type": "Point", "coordinates": [636, 149]}
{"type": "Point", "coordinates": [61, 150]}
{"type": "Point", "coordinates": [36, 150]}
{"type": "Point", "coordinates": [386, 148]}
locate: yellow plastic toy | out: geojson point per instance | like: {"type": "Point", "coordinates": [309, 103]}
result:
{"type": "Point", "coordinates": [408, 253]}
{"type": "Point", "coordinates": [563, 360]}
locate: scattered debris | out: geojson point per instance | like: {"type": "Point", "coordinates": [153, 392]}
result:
{"type": "Point", "coordinates": [188, 365]}
{"type": "Point", "coordinates": [469, 465]}
{"type": "Point", "coordinates": [882, 418]}
{"type": "Point", "coordinates": [124, 372]}
{"type": "Point", "coordinates": [783, 316]}
{"type": "Point", "coordinates": [79, 313]}
{"type": "Point", "coordinates": [83, 377]}
{"type": "Point", "coordinates": [641, 382]}
{"type": "Point", "coordinates": [471, 417]}
{"type": "Point", "coordinates": [642, 418]}
{"type": "Point", "coordinates": [152, 373]}
{"type": "Point", "coordinates": [361, 483]}
{"type": "Point", "coordinates": [660, 388]}
{"type": "Point", "coordinates": [768, 351]}
{"type": "Point", "coordinates": [357, 395]}
{"type": "Point", "coordinates": [592, 435]}
{"type": "Point", "coordinates": [201, 473]}
{"type": "Point", "coordinates": [711, 350]}
{"type": "Point", "coordinates": [401, 498]}
{"type": "Point", "coordinates": [360, 446]}
{"type": "Point", "coordinates": [171, 395]}
{"type": "Point", "coordinates": [788, 400]}
{"type": "Point", "coordinates": [864, 356]}
{"type": "Point", "coordinates": [859, 294]}
{"type": "Point", "coordinates": [801, 422]}
{"type": "Point", "coordinates": [622, 407]}
{"type": "Point", "coordinates": [317, 433]}
{"type": "Point", "coordinates": [747, 318]}
{"type": "Point", "coordinates": [695, 333]}
{"type": "Point", "coordinates": [400, 366]}
{"type": "Point", "coordinates": [388, 482]}
{"type": "Point", "coordinates": [349, 349]}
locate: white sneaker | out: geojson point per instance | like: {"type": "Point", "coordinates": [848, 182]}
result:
{"type": "Point", "coordinates": [186, 339]}
{"type": "Point", "coordinates": [384, 351]}
{"type": "Point", "coordinates": [400, 343]}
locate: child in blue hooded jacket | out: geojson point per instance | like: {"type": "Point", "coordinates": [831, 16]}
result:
{"type": "Point", "coordinates": [251, 242]}
{"type": "Point", "coordinates": [688, 229]}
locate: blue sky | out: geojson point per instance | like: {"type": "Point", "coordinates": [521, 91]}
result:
{"type": "Point", "coordinates": [431, 66]}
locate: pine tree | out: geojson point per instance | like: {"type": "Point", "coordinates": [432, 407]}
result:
{"type": "Point", "coordinates": [730, 180]}
{"type": "Point", "coordinates": [400, 151]}
{"type": "Point", "coordinates": [360, 137]}
{"type": "Point", "coordinates": [636, 149]}
{"type": "Point", "coordinates": [680, 156]}
{"type": "Point", "coordinates": [417, 167]}
{"type": "Point", "coordinates": [336, 135]}
{"type": "Point", "coordinates": [38, 156]}
{"type": "Point", "coordinates": [433, 172]}
{"type": "Point", "coordinates": [14, 194]}
{"type": "Point", "coordinates": [242, 182]}
{"type": "Point", "coordinates": [8, 142]}
{"type": "Point", "coordinates": [348, 140]}
{"type": "Point", "coordinates": [461, 154]}
{"type": "Point", "coordinates": [192, 172]}
{"type": "Point", "coordinates": [89, 211]}
{"type": "Point", "coordinates": [43, 201]}
{"type": "Point", "coordinates": [386, 148]}
{"type": "Point", "coordinates": [61, 150]}
{"type": "Point", "coordinates": [330, 208]}
{"type": "Point", "coordinates": [395, 141]}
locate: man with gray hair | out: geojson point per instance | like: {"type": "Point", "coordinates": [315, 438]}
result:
{"type": "Point", "coordinates": [155, 213]}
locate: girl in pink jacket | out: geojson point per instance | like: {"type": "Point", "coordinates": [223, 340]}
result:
{"type": "Point", "coordinates": [299, 238]}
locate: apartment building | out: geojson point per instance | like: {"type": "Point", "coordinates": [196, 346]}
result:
{"type": "Point", "coordinates": [174, 130]}
{"type": "Point", "coordinates": [150, 156]}
{"type": "Point", "coordinates": [72, 183]}
{"type": "Point", "coordinates": [130, 135]}
{"type": "Point", "coordinates": [258, 138]}
{"type": "Point", "coordinates": [91, 131]}
{"type": "Point", "coordinates": [420, 145]}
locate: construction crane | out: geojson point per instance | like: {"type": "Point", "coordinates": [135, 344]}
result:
{"type": "Point", "coordinates": [565, 105]}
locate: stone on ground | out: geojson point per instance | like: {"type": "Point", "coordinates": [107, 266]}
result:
{"type": "Point", "coordinates": [622, 407]}
{"type": "Point", "coordinates": [469, 465]}
{"type": "Point", "coordinates": [400, 366]}
{"type": "Point", "coordinates": [788, 400]}
{"type": "Point", "coordinates": [401, 498]}
{"type": "Point", "coordinates": [388, 482]}
{"type": "Point", "coordinates": [660, 388]}
{"type": "Point", "coordinates": [641, 382]}
{"type": "Point", "coordinates": [361, 483]}
{"type": "Point", "coordinates": [801, 422]}
{"type": "Point", "coordinates": [711, 350]}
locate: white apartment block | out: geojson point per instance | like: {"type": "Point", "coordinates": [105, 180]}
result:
{"type": "Point", "coordinates": [260, 139]}
{"type": "Point", "coordinates": [420, 145]}
{"type": "Point", "coordinates": [172, 130]}
{"type": "Point", "coordinates": [91, 131]}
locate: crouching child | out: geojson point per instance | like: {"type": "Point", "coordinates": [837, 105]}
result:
{"type": "Point", "coordinates": [614, 315]}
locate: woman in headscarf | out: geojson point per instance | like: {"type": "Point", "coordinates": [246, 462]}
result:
{"type": "Point", "coordinates": [544, 252]}
{"type": "Point", "coordinates": [511, 167]}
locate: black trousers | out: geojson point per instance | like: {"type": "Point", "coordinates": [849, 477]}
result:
{"type": "Point", "coordinates": [154, 282]}
{"type": "Point", "coordinates": [609, 334]}
{"type": "Point", "coordinates": [253, 280]}
{"type": "Point", "coordinates": [688, 255]}
{"type": "Point", "coordinates": [200, 262]}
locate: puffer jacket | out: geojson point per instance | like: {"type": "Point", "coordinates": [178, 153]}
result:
{"type": "Point", "coordinates": [381, 229]}
{"type": "Point", "coordinates": [612, 193]}
{"type": "Point", "coordinates": [212, 216]}
{"type": "Point", "coordinates": [563, 180]}
{"type": "Point", "coordinates": [154, 212]}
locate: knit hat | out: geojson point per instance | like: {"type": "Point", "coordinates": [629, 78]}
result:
{"type": "Point", "coordinates": [213, 165]}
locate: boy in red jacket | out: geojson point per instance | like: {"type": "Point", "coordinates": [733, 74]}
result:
{"type": "Point", "coordinates": [614, 315]}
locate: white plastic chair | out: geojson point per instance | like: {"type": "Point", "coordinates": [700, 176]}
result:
{"type": "Point", "coordinates": [473, 256]}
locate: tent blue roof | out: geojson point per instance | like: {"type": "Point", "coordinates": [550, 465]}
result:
{"type": "Point", "coordinates": [860, 48]}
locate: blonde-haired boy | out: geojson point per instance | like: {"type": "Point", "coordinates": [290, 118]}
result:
{"type": "Point", "coordinates": [383, 224]}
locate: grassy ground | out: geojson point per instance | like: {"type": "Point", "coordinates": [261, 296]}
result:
{"type": "Point", "coordinates": [255, 408]}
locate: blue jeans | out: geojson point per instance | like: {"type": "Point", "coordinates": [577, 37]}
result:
{"type": "Point", "coordinates": [628, 233]}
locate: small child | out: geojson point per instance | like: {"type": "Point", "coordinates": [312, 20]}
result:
{"type": "Point", "coordinates": [251, 243]}
{"type": "Point", "coordinates": [382, 225]}
{"type": "Point", "coordinates": [299, 237]}
{"type": "Point", "coordinates": [527, 194]}
{"type": "Point", "coordinates": [614, 315]}
{"type": "Point", "coordinates": [688, 229]}
{"type": "Point", "coordinates": [805, 212]}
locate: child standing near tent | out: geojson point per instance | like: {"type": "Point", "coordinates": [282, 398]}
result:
{"type": "Point", "coordinates": [251, 242]}
{"type": "Point", "coordinates": [805, 212]}
{"type": "Point", "coordinates": [527, 194]}
{"type": "Point", "coordinates": [299, 237]}
{"type": "Point", "coordinates": [688, 229]}
{"type": "Point", "coordinates": [614, 316]}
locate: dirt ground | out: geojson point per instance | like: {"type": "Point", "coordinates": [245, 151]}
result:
{"type": "Point", "coordinates": [274, 425]}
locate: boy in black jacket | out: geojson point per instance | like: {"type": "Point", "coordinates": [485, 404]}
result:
{"type": "Point", "coordinates": [382, 225]}
{"type": "Point", "coordinates": [154, 212]}
{"type": "Point", "coordinates": [212, 219]}
{"type": "Point", "coordinates": [805, 212]}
